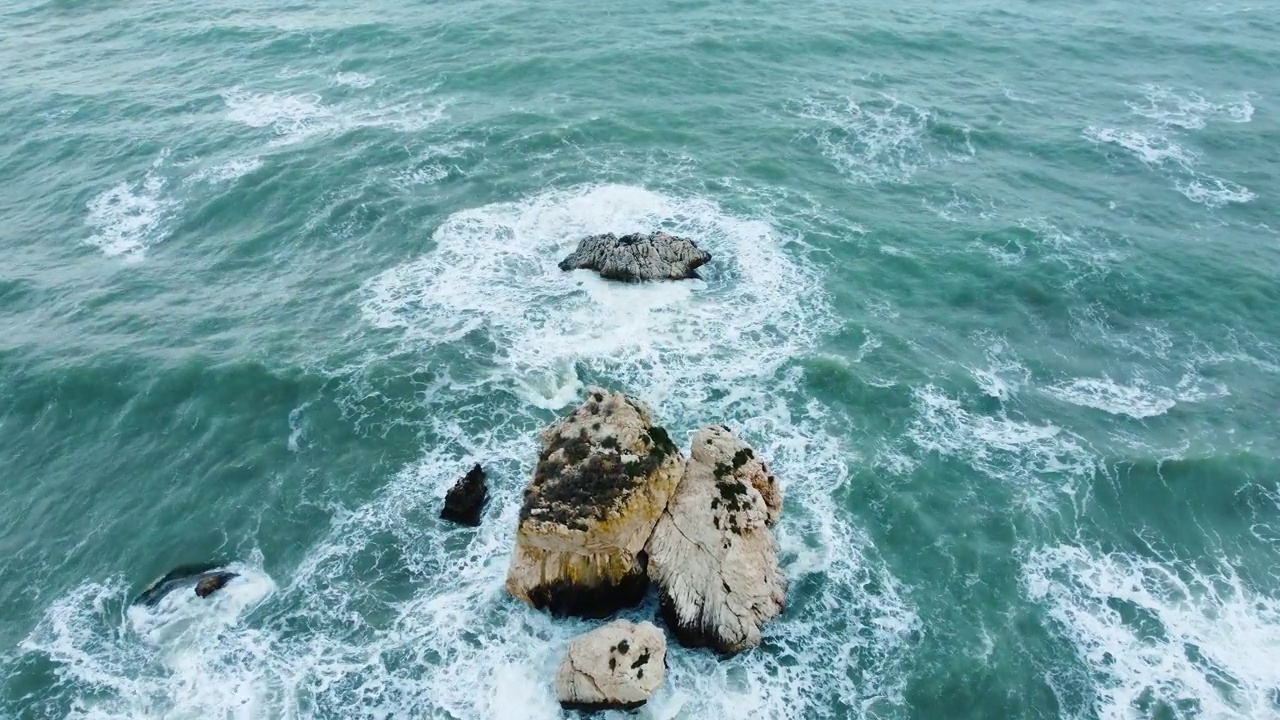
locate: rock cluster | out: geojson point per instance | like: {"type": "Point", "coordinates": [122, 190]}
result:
{"type": "Point", "coordinates": [656, 256]}
{"type": "Point", "coordinates": [614, 506]}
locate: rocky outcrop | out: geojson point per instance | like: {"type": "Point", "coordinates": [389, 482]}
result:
{"type": "Point", "coordinates": [617, 666]}
{"type": "Point", "coordinates": [465, 500]}
{"type": "Point", "coordinates": [603, 478]}
{"type": "Point", "coordinates": [712, 554]}
{"type": "Point", "coordinates": [657, 256]}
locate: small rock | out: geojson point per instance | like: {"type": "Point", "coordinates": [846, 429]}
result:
{"type": "Point", "coordinates": [211, 583]}
{"type": "Point", "coordinates": [185, 576]}
{"type": "Point", "coordinates": [465, 501]}
{"type": "Point", "coordinates": [617, 666]}
{"type": "Point", "coordinates": [657, 256]}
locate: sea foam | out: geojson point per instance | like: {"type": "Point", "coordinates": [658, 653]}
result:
{"type": "Point", "coordinates": [295, 117]}
{"type": "Point", "coordinates": [877, 140]}
{"type": "Point", "coordinates": [1162, 638]}
{"type": "Point", "coordinates": [131, 216]}
{"type": "Point", "coordinates": [1160, 144]}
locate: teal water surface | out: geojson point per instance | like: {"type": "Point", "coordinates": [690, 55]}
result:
{"type": "Point", "coordinates": [995, 290]}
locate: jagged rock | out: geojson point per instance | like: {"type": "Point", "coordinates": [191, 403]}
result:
{"type": "Point", "coordinates": [712, 554]}
{"type": "Point", "coordinates": [465, 500]}
{"type": "Point", "coordinates": [657, 256]}
{"type": "Point", "coordinates": [604, 476]}
{"type": "Point", "coordinates": [617, 666]}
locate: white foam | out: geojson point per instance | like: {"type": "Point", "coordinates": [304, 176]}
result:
{"type": "Point", "coordinates": [1214, 192]}
{"type": "Point", "coordinates": [894, 460]}
{"type": "Point", "coordinates": [1037, 459]}
{"type": "Point", "coordinates": [296, 430]}
{"type": "Point", "coordinates": [424, 175]}
{"type": "Point", "coordinates": [435, 164]}
{"type": "Point", "coordinates": [1085, 254]}
{"type": "Point", "coordinates": [1139, 400]}
{"type": "Point", "coordinates": [1002, 255]}
{"type": "Point", "coordinates": [496, 268]}
{"type": "Point", "coordinates": [179, 617]}
{"type": "Point", "coordinates": [130, 217]}
{"type": "Point", "coordinates": [1188, 111]}
{"type": "Point", "coordinates": [1160, 632]}
{"type": "Point", "coordinates": [1152, 148]}
{"type": "Point", "coordinates": [1004, 375]}
{"type": "Point", "coordinates": [959, 207]}
{"type": "Point", "coordinates": [228, 171]}
{"type": "Point", "coordinates": [880, 140]}
{"type": "Point", "coordinates": [183, 659]}
{"type": "Point", "coordinates": [1091, 326]}
{"type": "Point", "coordinates": [870, 343]}
{"type": "Point", "coordinates": [360, 81]}
{"type": "Point", "coordinates": [1011, 95]}
{"type": "Point", "coordinates": [1193, 387]}
{"type": "Point", "coordinates": [1155, 146]}
{"type": "Point", "coordinates": [297, 117]}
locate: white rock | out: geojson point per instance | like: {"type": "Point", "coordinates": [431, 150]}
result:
{"type": "Point", "coordinates": [712, 554]}
{"type": "Point", "coordinates": [617, 666]}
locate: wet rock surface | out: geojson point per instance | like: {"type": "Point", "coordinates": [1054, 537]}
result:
{"type": "Point", "coordinates": [465, 501]}
{"type": "Point", "coordinates": [203, 578]}
{"type": "Point", "coordinates": [654, 256]}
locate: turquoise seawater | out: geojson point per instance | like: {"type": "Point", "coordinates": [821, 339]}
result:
{"type": "Point", "coordinates": [995, 289]}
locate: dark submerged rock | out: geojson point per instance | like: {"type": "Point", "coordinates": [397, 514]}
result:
{"type": "Point", "coordinates": [465, 501]}
{"type": "Point", "coordinates": [211, 583]}
{"type": "Point", "coordinates": [197, 575]}
{"type": "Point", "coordinates": [637, 257]}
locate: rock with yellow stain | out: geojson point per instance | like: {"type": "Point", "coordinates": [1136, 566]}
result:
{"type": "Point", "coordinates": [603, 478]}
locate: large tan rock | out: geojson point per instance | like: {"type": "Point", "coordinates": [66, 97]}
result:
{"type": "Point", "coordinates": [712, 554]}
{"type": "Point", "coordinates": [617, 666]}
{"type": "Point", "coordinates": [602, 480]}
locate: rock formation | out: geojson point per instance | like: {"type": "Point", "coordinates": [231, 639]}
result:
{"type": "Point", "coordinates": [602, 480]}
{"type": "Point", "coordinates": [657, 256]}
{"type": "Point", "coordinates": [712, 554]}
{"type": "Point", "coordinates": [617, 666]}
{"type": "Point", "coordinates": [465, 501]}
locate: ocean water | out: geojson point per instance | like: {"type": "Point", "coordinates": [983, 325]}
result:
{"type": "Point", "coordinates": [995, 289]}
